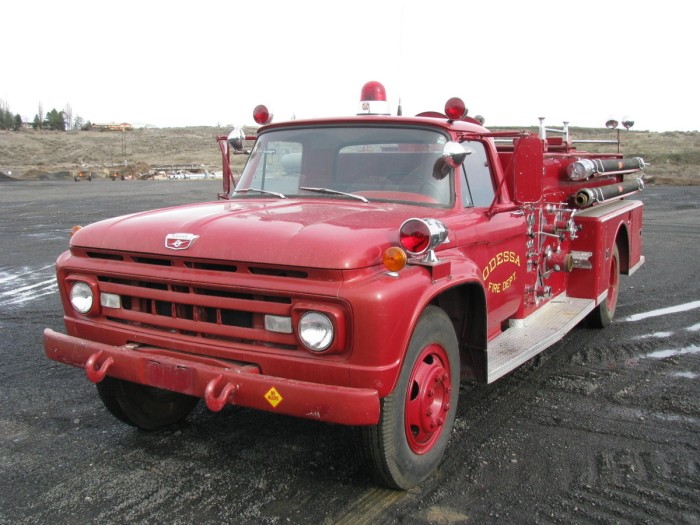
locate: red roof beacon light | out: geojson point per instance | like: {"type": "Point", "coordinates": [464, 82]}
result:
{"type": "Point", "coordinates": [455, 108]}
{"type": "Point", "coordinates": [262, 115]}
{"type": "Point", "coordinates": [373, 99]}
{"type": "Point", "coordinates": [422, 236]}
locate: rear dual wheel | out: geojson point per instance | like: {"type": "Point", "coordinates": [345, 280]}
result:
{"type": "Point", "coordinates": [603, 314]}
{"type": "Point", "coordinates": [416, 420]}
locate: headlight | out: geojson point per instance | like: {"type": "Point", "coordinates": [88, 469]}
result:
{"type": "Point", "coordinates": [315, 331]}
{"type": "Point", "coordinates": [81, 297]}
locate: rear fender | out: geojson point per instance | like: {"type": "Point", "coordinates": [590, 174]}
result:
{"type": "Point", "coordinates": [602, 227]}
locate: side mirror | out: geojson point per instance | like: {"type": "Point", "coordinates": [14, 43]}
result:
{"type": "Point", "coordinates": [236, 139]}
{"type": "Point", "coordinates": [453, 155]}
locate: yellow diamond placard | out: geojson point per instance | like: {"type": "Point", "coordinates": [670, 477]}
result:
{"type": "Point", "coordinates": [273, 397]}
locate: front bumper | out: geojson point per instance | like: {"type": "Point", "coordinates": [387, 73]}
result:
{"type": "Point", "coordinates": [216, 381]}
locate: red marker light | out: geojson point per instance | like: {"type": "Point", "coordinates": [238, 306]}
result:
{"type": "Point", "coordinates": [418, 236]}
{"type": "Point", "coordinates": [373, 90]}
{"type": "Point", "coordinates": [262, 115]}
{"type": "Point", "coordinates": [414, 240]}
{"type": "Point", "coordinates": [455, 108]}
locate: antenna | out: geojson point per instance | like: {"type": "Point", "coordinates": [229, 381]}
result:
{"type": "Point", "coordinates": [399, 111]}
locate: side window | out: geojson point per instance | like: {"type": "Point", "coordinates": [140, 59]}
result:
{"type": "Point", "coordinates": [478, 183]}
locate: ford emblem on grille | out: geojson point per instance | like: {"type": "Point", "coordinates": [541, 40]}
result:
{"type": "Point", "coordinates": [179, 241]}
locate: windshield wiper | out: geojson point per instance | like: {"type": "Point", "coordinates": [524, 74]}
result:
{"type": "Point", "coordinates": [334, 192]}
{"type": "Point", "coordinates": [267, 192]}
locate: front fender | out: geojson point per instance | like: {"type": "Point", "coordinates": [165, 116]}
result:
{"type": "Point", "coordinates": [386, 308]}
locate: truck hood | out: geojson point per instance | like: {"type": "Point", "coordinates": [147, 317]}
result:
{"type": "Point", "coordinates": [330, 234]}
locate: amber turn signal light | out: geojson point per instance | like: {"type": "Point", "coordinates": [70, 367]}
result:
{"type": "Point", "coordinates": [394, 259]}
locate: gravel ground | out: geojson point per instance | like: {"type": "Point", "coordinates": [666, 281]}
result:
{"type": "Point", "coordinates": [604, 427]}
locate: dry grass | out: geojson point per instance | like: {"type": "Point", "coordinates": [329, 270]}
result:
{"type": "Point", "coordinates": [674, 157]}
{"type": "Point", "coordinates": [33, 154]}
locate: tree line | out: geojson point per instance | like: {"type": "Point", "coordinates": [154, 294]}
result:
{"type": "Point", "coordinates": [53, 120]}
{"type": "Point", "coordinates": [8, 120]}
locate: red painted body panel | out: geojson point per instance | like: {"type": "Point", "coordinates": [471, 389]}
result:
{"type": "Point", "coordinates": [292, 232]}
{"type": "Point", "coordinates": [600, 227]}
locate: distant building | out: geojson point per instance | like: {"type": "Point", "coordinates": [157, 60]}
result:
{"type": "Point", "coordinates": [124, 126]}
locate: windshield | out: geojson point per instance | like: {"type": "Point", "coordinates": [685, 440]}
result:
{"type": "Point", "coordinates": [369, 163]}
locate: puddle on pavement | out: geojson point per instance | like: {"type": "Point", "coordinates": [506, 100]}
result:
{"type": "Point", "coordinates": [655, 335]}
{"type": "Point", "coordinates": [22, 285]}
{"type": "Point", "coordinates": [686, 375]}
{"type": "Point", "coordinates": [671, 352]}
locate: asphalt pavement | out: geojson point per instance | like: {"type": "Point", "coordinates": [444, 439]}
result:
{"type": "Point", "coordinates": [603, 427]}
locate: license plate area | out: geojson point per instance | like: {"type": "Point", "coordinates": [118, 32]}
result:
{"type": "Point", "coordinates": [170, 376]}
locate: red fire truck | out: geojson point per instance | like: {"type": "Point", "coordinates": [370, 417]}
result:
{"type": "Point", "coordinates": [355, 273]}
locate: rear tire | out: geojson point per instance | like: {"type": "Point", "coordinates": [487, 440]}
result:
{"type": "Point", "coordinates": [603, 314]}
{"type": "Point", "coordinates": [416, 420]}
{"type": "Point", "coordinates": [142, 406]}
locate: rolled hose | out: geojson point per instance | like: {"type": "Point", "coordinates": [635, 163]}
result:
{"type": "Point", "coordinates": [587, 196]}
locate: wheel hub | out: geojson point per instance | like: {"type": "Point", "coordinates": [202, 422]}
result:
{"type": "Point", "coordinates": [427, 399]}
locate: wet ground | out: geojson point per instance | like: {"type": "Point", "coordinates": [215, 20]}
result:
{"type": "Point", "coordinates": [604, 427]}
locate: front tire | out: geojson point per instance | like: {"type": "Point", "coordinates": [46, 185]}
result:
{"type": "Point", "coordinates": [142, 406]}
{"type": "Point", "coordinates": [416, 420]}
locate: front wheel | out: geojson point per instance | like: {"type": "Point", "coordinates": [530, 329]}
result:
{"type": "Point", "coordinates": [142, 406]}
{"type": "Point", "coordinates": [416, 419]}
{"type": "Point", "coordinates": [603, 314]}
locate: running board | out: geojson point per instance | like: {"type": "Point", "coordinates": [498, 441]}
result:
{"type": "Point", "coordinates": [528, 337]}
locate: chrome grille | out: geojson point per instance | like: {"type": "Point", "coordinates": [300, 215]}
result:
{"type": "Point", "coordinates": [195, 298]}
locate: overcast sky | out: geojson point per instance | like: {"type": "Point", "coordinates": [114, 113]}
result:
{"type": "Point", "coordinates": [210, 63]}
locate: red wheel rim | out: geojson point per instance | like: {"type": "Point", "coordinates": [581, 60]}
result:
{"type": "Point", "coordinates": [427, 399]}
{"type": "Point", "coordinates": [612, 286]}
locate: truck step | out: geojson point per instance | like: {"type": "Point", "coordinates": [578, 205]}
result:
{"type": "Point", "coordinates": [528, 337]}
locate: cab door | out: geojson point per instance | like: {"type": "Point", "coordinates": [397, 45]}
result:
{"type": "Point", "coordinates": [500, 240]}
